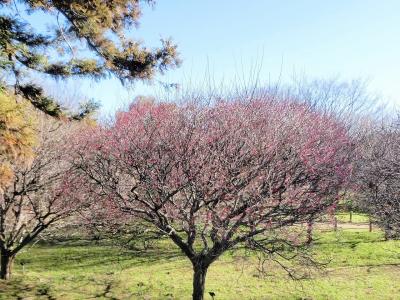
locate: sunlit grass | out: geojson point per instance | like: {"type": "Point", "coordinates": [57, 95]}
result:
{"type": "Point", "coordinates": [355, 217]}
{"type": "Point", "coordinates": [361, 266]}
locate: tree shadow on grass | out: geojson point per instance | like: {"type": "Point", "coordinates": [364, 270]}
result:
{"type": "Point", "coordinates": [78, 257]}
{"type": "Point", "coordinates": [105, 261]}
{"type": "Point", "coordinates": [19, 290]}
{"type": "Point", "coordinates": [16, 289]}
{"type": "Point", "coordinates": [106, 291]}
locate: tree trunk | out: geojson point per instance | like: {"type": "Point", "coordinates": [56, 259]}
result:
{"type": "Point", "coordinates": [199, 280]}
{"type": "Point", "coordinates": [351, 217]}
{"type": "Point", "coordinates": [335, 224]}
{"type": "Point", "coordinates": [309, 232]}
{"type": "Point", "coordinates": [6, 264]}
{"type": "Point", "coordinates": [388, 233]}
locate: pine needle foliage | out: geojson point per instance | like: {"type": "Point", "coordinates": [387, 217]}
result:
{"type": "Point", "coordinates": [85, 38]}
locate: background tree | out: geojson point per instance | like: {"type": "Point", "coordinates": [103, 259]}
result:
{"type": "Point", "coordinates": [377, 176]}
{"type": "Point", "coordinates": [349, 101]}
{"type": "Point", "coordinates": [216, 177]}
{"type": "Point", "coordinates": [17, 136]}
{"type": "Point", "coordinates": [88, 38]}
{"type": "Point", "coordinates": [40, 192]}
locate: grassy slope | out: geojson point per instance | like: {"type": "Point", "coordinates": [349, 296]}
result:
{"type": "Point", "coordinates": [362, 266]}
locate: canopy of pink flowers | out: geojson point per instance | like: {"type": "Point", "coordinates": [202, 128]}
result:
{"type": "Point", "coordinates": [259, 163]}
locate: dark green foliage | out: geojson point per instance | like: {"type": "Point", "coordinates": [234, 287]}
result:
{"type": "Point", "coordinates": [98, 25]}
{"type": "Point", "coordinates": [86, 109]}
{"type": "Point", "coordinates": [36, 96]}
{"type": "Point", "coordinates": [86, 38]}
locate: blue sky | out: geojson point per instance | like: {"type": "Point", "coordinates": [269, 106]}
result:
{"type": "Point", "coordinates": [320, 39]}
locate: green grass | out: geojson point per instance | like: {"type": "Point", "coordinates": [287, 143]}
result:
{"type": "Point", "coordinates": [361, 266]}
{"type": "Point", "coordinates": [356, 217]}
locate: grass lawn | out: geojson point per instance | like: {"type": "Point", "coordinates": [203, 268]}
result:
{"type": "Point", "coordinates": [362, 266]}
{"type": "Point", "coordinates": [356, 217]}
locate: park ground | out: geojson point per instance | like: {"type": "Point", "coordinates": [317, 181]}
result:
{"type": "Point", "coordinates": [361, 265]}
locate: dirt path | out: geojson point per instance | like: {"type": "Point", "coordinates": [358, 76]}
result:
{"type": "Point", "coordinates": [344, 225]}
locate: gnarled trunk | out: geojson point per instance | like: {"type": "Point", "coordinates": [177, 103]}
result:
{"type": "Point", "coordinates": [6, 263]}
{"type": "Point", "coordinates": [199, 280]}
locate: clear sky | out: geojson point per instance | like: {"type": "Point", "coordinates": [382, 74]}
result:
{"type": "Point", "coordinates": [321, 39]}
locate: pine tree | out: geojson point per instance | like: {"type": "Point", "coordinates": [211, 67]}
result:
{"type": "Point", "coordinates": [89, 39]}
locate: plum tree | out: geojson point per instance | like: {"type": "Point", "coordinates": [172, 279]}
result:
{"type": "Point", "coordinates": [213, 177]}
{"type": "Point", "coordinates": [377, 176]}
{"type": "Point", "coordinates": [40, 191]}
